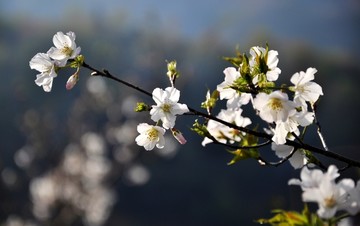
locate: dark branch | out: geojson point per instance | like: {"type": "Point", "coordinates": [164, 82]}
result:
{"type": "Point", "coordinates": [294, 144]}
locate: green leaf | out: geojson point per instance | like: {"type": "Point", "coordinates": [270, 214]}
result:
{"type": "Point", "coordinates": [242, 154]}
{"type": "Point", "coordinates": [200, 129]}
{"type": "Point", "coordinates": [210, 102]}
{"type": "Point", "coordinates": [288, 218]}
{"type": "Point", "coordinates": [293, 218]}
{"type": "Point", "coordinates": [247, 140]}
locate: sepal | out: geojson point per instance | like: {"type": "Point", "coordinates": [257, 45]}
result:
{"type": "Point", "coordinates": [237, 60]}
{"type": "Point", "coordinates": [210, 101]}
{"type": "Point", "coordinates": [201, 129]}
{"type": "Point", "coordinates": [77, 62]}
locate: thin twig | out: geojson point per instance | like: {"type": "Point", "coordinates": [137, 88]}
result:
{"type": "Point", "coordinates": [317, 123]}
{"type": "Point", "coordinates": [281, 160]}
{"type": "Point", "coordinates": [240, 147]}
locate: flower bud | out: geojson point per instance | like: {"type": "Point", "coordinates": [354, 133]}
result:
{"type": "Point", "coordinates": [178, 136]}
{"type": "Point", "coordinates": [172, 73]}
{"type": "Point", "coordinates": [71, 82]}
{"type": "Point", "coordinates": [141, 106]}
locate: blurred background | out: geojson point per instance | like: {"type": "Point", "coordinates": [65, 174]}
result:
{"type": "Point", "coordinates": [69, 157]}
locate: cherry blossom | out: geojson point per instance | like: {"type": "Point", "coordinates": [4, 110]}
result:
{"type": "Point", "coordinates": [305, 89]}
{"type": "Point", "coordinates": [150, 136]}
{"type": "Point", "coordinates": [167, 106]}
{"type": "Point", "coordinates": [331, 196]}
{"type": "Point", "coordinates": [65, 47]}
{"type": "Point", "coordinates": [223, 133]}
{"type": "Point", "coordinates": [44, 64]}
{"type": "Point", "coordinates": [235, 98]}
{"type": "Point", "coordinates": [274, 107]}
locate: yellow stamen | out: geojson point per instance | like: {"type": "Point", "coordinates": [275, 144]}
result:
{"type": "Point", "coordinates": [152, 134]}
{"type": "Point", "coordinates": [275, 104]}
{"type": "Point", "coordinates": [166, 107]}
{"type": "Point", "coordinates": [67, 51]}
{"type": "Point", "coordinates": [330, 202]}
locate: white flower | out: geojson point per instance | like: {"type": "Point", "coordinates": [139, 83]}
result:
{"type": "Point", "coordinates": [167, 106]}
{"type": "Point", "coordinates": [235, 99]}
{"type": "Point", "coordinates": [330, 196]}
{"type": "Point", "coordinates": [259, 53]}
{"type": "Point", "coordinates": [223, 133]}
{"type": "Point", "coordinates": [150, 136]}
{"type": "Point", "coordinates": [274, 107]}
{"type": "Point", "coordinates": [42, 63]}
{"type": "Point", "coordinates": [321, 188]}
{"type": "Point", "coordinates": [305, 89]}
{"type": "Point", "coordinates": [65, 47]}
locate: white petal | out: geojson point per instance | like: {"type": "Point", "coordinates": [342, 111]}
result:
{"type": "Point", "coordinates": [161, 142]}
{"type": "Point", "coordinates": [150, 145]}
{"type": "Point", "coordinates": [332, 172]}
{"type": "Point", "coordinates": [173, 94]}
{"type": "Point", "coordinates": [298, 159]}
{"type": "Point", "coordinates": [41, 62]}
{"type": "Point", "coordinates": [280, 133]}
{"type": "Point", "coordinates": [295, 78]}
{"type": "Point", "coordinates": [141, 140]}
{"type": "Point", "coordinates": [272, 59]}
{"type": "Point", "coordinates": [143, 127]}
{"type": "Point", "coordinates": [312, 195]}
{"type": "Point", "coordinates": [157, 96]}
{"type": "Point", "coordinates": [309, 74]}
{"type": "Point", "coordinates": [60, 40]}
{"type": "Point", "coordinates": [281, 151]}
{"type": "Point", "coordinates": [56, 54]}
{"type": "Point", "coordinates": [179, 109]}
{"type": "Point", "coordinates": [47, 86]}
{"type": "Point", "coordinates": [168, 121]}
{"type": "Point", "coordinates": [273, 75]}
{"type": "Point", "coordinates": [231, 74]}
{"type": "Point", "coordinates": [156, 113]}
{"type": "Point", "coordinates": [75, 53]}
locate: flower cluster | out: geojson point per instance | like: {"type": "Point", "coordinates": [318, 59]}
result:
{"type": "Point", "coordinates": [284, 112]}
{"type": "Point", "coordinates": [252, 80]}
{"type": "Point", "coordinates": [49, 64]}
{"type": "Point", "coordinates": [331, 196]}
{"type": "Point", "coordinates": [165, 111]}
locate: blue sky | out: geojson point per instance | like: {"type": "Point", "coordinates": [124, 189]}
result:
{"type": "Point", "coordinates": [333, 24]}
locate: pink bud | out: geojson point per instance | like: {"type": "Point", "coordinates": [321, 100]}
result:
{"type": "Point", "coordinates": [178, 136]}
{"type": "Point", "coordinates": [71, 82]}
